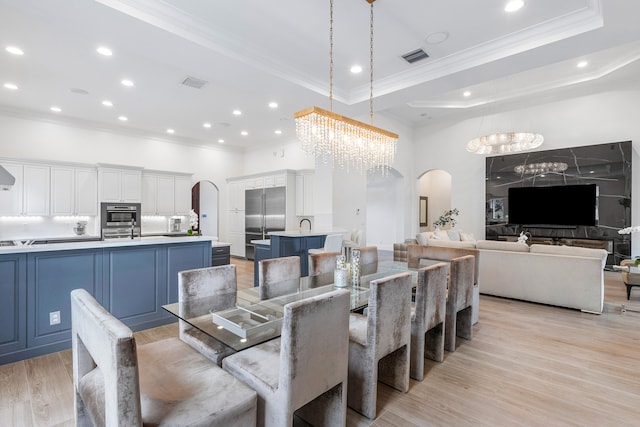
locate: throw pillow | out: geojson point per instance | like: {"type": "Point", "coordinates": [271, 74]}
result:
{"type": "Point", "coordinates": [442, 235]}
{"type": "Point", "coordinates": [467, 237]}
{"type": "Point", "coordinates": [423, 238]}
{"type": "Point", "coordinates": [454, 235]}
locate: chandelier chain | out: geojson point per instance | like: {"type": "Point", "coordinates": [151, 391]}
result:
{"type": "Point", "coordinates": [330, 55]}
{"type": "Point", "coordinates": [371, 67]}
{"type": "Point", "coordinates": [339, 140]}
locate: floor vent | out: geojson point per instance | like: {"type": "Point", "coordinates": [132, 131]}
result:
{"type": "Point", "coordinates": [414, 56]}
{"type": "Point", "coordinates": [193, 82]}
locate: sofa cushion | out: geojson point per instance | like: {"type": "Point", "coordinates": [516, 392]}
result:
{"type": "Point", "coordinates": [454, 235]}
{"type": "Point", "coordinates": [452, 244]}
{"type": "Point", "coordinates": [498, 245]}
{"type": "Point", "coordinates": [569, 250]}
{"type": "Point", "coordinates": [467, 237]}
{"type": "Point", "coordinates": [441, 235]}
{"type": "Point", "coordinates": [423, 238]}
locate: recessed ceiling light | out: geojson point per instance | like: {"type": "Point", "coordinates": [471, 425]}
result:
{"type": "Point", "coordinates": [107, 103]}
{"type": "Point", "coordinates": [513, 5]}
{"type": "Point", "coordinates": [221, 141]}
{"type": "Point", "coordinates": [55, 109]}
{"type": "Point", "coordinates": [273, 105]}
{"type": "Point", "coordinates": [206, 125]}
{"type": "Point", "coordinates": [237, 112]}
{"type": "Point", "coordinates": [104, 51]}
{"type": "Point", "coordinates": [171, 131]}
{"type": "Point", "coordinates": [244, 133]}
{"type": "Point", "coordinates": [592, 171]}
{"type": "Point", "coordinates": [278, 132]}
{"type": "Point", "coordinates": [356, 69]}
{"type": "Point", "coordinates": [466, 93]}
{"type": "Point", "coordinates": [437, 37]}
{"type": "Point", "coordinates": [123, 118]}
{"type": "Point", "coordinates": [127, 83]}
{"type": "Point", "coordinates": [11, 86]}
{"type": "Point", "coordinates": [14, 50]}
{"type": "Point", "coordinates": [582, 64]}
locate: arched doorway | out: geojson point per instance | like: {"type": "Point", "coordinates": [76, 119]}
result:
{"type": "Point", "coordinates": [385, 209]}
{"type": "Point", "coordinates": [204, 201]}
{"type": "Point", "coordinates": [435, 186]}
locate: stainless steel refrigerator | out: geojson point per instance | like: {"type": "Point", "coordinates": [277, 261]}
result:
{"type": "Point", "coordinates": [265, 210]}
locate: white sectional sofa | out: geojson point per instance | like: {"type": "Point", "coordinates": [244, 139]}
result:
{"type": "Point", "coordinates": [566, 276]}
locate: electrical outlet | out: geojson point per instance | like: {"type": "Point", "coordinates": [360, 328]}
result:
{"type": "Point", "coordinates": [54, 318]}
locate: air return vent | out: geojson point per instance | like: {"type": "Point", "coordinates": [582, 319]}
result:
{"type": "Point", "coordinates": [193, 82]}
{"type": "Point", "coordinates": [414, 56]}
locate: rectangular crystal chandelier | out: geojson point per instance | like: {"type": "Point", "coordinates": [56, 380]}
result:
{"type": "Point", "coordinates": [350, 144]}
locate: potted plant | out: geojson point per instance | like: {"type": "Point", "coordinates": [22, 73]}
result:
{"type": "Point", "coordinates": [446, 218]}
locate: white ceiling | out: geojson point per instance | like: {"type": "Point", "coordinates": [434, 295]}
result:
{"type": "Point", "coordinates": [253, 52]}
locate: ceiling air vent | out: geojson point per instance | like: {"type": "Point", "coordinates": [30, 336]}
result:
{"type": "Point", "coordinates": [414, 56]}
{"type": "Point", "coordinates": [193, 82]}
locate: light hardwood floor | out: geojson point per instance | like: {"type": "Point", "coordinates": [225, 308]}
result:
{"type": "Point", "coordinates": [527, 365]}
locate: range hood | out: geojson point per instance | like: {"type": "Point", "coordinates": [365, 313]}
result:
{"type": "Point", "coordinates": [6, 179]}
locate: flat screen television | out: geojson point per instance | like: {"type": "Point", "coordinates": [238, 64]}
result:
{"type": "Point", "coordinates": [559, 205]}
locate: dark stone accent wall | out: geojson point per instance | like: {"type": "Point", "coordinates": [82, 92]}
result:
{"type": "Point", "coordinates": [608, 165]}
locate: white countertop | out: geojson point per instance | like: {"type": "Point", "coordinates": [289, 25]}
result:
{"type": "Point", "coordinates": [305, 233]}
{"type": "Point", "coordinates": [109, 243]}
{"type": "Point", "coordinates": [261, 242]}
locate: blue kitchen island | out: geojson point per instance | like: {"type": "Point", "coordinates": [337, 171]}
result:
{"type": "Point", "coordinates": [289, 243]}
{"type": "Point", "coordinates": [132, 279]}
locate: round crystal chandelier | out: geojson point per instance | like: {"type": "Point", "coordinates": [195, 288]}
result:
{"type": "Point", "coordinates": [538, 168]}
{"type": "Point", "coordinates": [505, 143]}
{"type": "Point", "coordinates": [348, 143]}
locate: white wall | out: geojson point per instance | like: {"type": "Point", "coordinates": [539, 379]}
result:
{"type": "Point", "coordinates": [288, 155]}
{"type": "Point", "coordinates": [27, 138]}
{"type": "Point", "coordinates": [436, 185]}
{"type": "Point", "coordinates": [588, 120]}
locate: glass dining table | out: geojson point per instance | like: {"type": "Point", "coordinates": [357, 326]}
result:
{"type": "Point", "coordinates": [249, 321]}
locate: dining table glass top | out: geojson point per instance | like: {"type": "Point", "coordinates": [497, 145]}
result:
{"type": "Point", "coordinates": [241, 320]}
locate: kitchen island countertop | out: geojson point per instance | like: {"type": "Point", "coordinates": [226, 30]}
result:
{"type": "Point", "coordinates": [305, 233]}
{"type": "Point", "coordinates": [108, 243]}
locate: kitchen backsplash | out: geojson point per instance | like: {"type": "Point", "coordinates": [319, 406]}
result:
{"type": "Point", "coordinates": [28, 227]}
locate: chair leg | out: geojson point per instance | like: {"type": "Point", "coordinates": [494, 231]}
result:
{"type": "Point", "coordinates": [450, 331]}
{"type": "Point", "coordinates": [362, 386]}
{"type": "Point", "coordinates": [434, 343]}
{"type": "Point", "coordinates": [82, 418]}
{"type": "Point", "coordinates": [628, 292]}
{"type": "Point", "coordinates": [416, 368]}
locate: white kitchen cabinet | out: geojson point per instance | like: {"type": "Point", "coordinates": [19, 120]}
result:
{"type": "Point", "coordinates": [120, 185]}
{"type": "Point", "coordinates": [11, 200]}
{"type": "Point", "coordinates": [166, 194]}
{"type": "Point", "coordinates": [236, 195]}
{"type": "Point", "coordinates": [304, 194]}
{"type": "Point", "coordinates": [30, 193]}
{"type": "Point", "coordinates": [74, 191]}
{"type": "Point", "coordinates": [157, 194]}
{"type": "Point", "coordinates": [182, 195]}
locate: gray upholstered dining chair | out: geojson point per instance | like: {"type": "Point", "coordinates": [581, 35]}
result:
{"type": "Point", "coordinates": [368, 255]}
{"type": "Point", "coordinates": [278, 276]}
{"type": "Point", "coordinates": [216, 288]}
{"type": "Point", "coordinates": [428, 317]}
{"type": "Point", "coordinates": [379, 343]}
{"type": "Point", "coordinates": [305, 370]}
{"type": "Point", "coordinates": [321, 268]}
{"type": "Point", "coordinates": [163, 383]}
{"type": "Point", "coordinates": [459, 319]}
